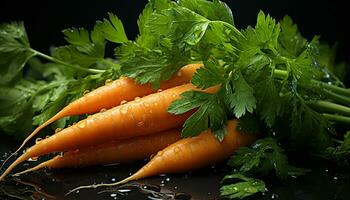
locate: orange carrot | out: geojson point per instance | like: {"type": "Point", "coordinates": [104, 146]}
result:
{"type": "Point", "coordinates": [190, 153]}
{"type": "Point", "coordinates": [113, 94]}
{"type": "Point", "coordinates": [142, 116]}
{"type": "Point", "coordinates": [126, 150]}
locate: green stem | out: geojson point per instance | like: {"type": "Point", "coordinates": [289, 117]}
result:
{"type": "Point", "coordinates": [52, 59]}
{"type": "Point", "coordinates": [333, 88]}
{"type": "Point", "coordinates": [282, 74]}
{"type": "Point", "coordinates": [337, 118]}
{"type": "Point", "coordinates": [331, 107]}
{"type": "Point", "coordinates": [336, 97]}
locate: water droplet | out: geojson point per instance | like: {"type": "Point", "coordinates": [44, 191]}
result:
{"type": "Point", "coordinates": [167, 179]}
{"type": "Point", "coordinates": [77, 191]}
{"type": "Point", "coordinates": [123, 102]}
{"type": "Point", "coordinates": [174, 95]}
{"type": "Point", "coordinates": [146, 104]}
{"type": "Point", "coordinates": [235, 188]}
{"type": "Point", "coordinates": [155, 104]}
{"type": "Point", "coordinates": [47, 136]}
{"type": "Point", "coordinates": [162, 175]}
{"type": "Point", "coordinates": [160, 153]}
{"type": "Point", "coordinates": [335, 178]}
{"type": "Point", "coordinates": [103, 110]}
{"type": "Point", "coordinates": [113, 179]}
{"type": "Point", "coordinates": [179, 73]}
{"type": "Point", "coordinates": [124, 190]}
{"type": "Point", "coordinates": [175, 187]}
{"type": "Point", "coordinates": [140, 124]}
{"type": "Point", "coordinates": [151, 156]}
{"type": "Point", "coordinates": [326, 170]}
{"type": "Point", "coordinates": [108, 81]}
{"type": "Point", "coordinates": [82, 124]}
{"type": "Point", "coordinates": [113, 195]}
{"type": "Point", "coordinates": [86, 92]}
{"type": "Point", "coordinates": [33, 159]}
{"type": "Point", "coordinates": [58, 130]}
{"type": "Point", "coordinates": [124, 110]}
{"type": "Point", "coordinates": [274, 196]}
{"type": "Point", "coordinates": [37, 140]}
{"type": "Point", "coordinates": [177, 149]}
{"type": "Point", "coordinates": [159, 90]}
{"type": "Point", "coordinates": [137, 99]}
{"type": "Point", "coordinates": [144, 186]}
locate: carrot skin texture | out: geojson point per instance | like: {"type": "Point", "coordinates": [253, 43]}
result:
{"type": "Point", "coordinates": [120, 151]}
{"type": "Point", "coordinates": [192, 153]}
{"type": "Point", "coordinates": [109, 95]}
{"type": "Point", "coordinates": [143, 116]}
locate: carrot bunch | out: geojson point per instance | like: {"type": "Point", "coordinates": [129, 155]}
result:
{"type": "Point", "coordinates": [131, 130]}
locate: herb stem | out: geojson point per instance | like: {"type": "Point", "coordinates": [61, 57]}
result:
{"type": "Point", "coordinates": [333, 88]}
{"type": "Point", "coordinates": [337, 118]}
{"type": "Point", "coordinates": [337, 97]}
{"type": "Point", "coordinates": [52, 59]}
{"type": "Point", "coordinates": [282, 74]}
{"type": "Point", "coordinates": [331, 107]}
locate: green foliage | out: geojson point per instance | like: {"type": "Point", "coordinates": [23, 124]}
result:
{"type": "Point", "coordinates": [246, 187]}
{"type": "Point", "coordinates": [14, 50]}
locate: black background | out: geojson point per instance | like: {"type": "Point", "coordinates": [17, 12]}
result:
{"type": "Point", "coordinates": [44, 20]}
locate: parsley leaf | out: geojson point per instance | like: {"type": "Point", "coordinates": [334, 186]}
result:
{"type": "Point", "coordinates": [263, 157]}
{"type": "Point", "coordinates": [15, 50]}
{"type": "Point", "coordinates": [246, 187]}
{"type": "Point", "coordinates": [203, 118]}
{"type": "Point", "coordinates": [212, 10]}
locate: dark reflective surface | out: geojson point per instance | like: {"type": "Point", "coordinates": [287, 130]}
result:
{"type": "Point", "coordinates": [324, 182]}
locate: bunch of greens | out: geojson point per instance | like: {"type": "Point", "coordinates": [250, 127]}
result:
{"type": "Point", "coordinates": [33, 91]}
{"type": "Point", "coordinates": [275, 81]}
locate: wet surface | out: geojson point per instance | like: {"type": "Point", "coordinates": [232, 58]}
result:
{"type": "Point", "coordinates": [323, 182]}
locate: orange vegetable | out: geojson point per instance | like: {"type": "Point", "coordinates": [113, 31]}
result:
{"type": "Point", "coordinates": [143, 116]}
{"type": "Point", "coordinates": [190, 153]}
{"type": "Point", "coordinates": [111, 95]}
{"type": "Point", "coordinates": [126, 150]}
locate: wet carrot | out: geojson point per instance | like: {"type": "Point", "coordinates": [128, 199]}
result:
{"type": "Point", "coordinates": [142, 116]}
{"type": "Point", "coordinates": [190, 153]}
{"type": "Point", "coordinates": [120, 151]}
{"type": "Point", "coordinates": [111, 95]}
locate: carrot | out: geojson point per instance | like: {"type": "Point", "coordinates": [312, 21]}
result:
{"type": "Point", "coordinates": [142, 116]}
{"type": "Point", "coordinates": [127, 150]}
{"type": "Point", "coordinates": [190, 153]}
{"type": "Point", "coordinates": [111, 95]}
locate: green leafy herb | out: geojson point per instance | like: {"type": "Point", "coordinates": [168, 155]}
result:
{"type": "Point", "coordinates": [247, 186]}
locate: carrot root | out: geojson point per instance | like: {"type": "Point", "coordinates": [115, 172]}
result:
{"type": "Point", "coordinates": [89, 104]}
{"type": "Point", "coordinates": [187, 154]}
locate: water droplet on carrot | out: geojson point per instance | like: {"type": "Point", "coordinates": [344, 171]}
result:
{"type": "Point", "coordinates": [155, 104]}
{"type": "Point", "coordinates": [177, 150]}
{"type": "Point", "coordinates": [146, 104]}
{"type": "Point", "coordinates": [124, 110]}
{"type": "Point", "coordinates": [86, 92]}
{"type": "Point", "coordinates": [103, 110]}
{"type": "Point", "coordinates": [82, 124]}
{"type": "Point", "coordinates": [37, 140]}
{"type": "Point", "coordinates": [108, 81]}
{"type": "Point", "coordinates": [47, 136]}
{"type": "Point", "coordinates": [160, 153]}
{"type": "Point", "coordinates": [137, 99]}
{"type": "Point", "coordinates": [123, 102]}
{"type": "Point", "coordinates": [33, 159]}
{"type": "Point", "coordinates": [58, 130]}
{"type": "Point", "coordinates": [173, 95]}
{"type": "Point", "coordinates": [159, 90]}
